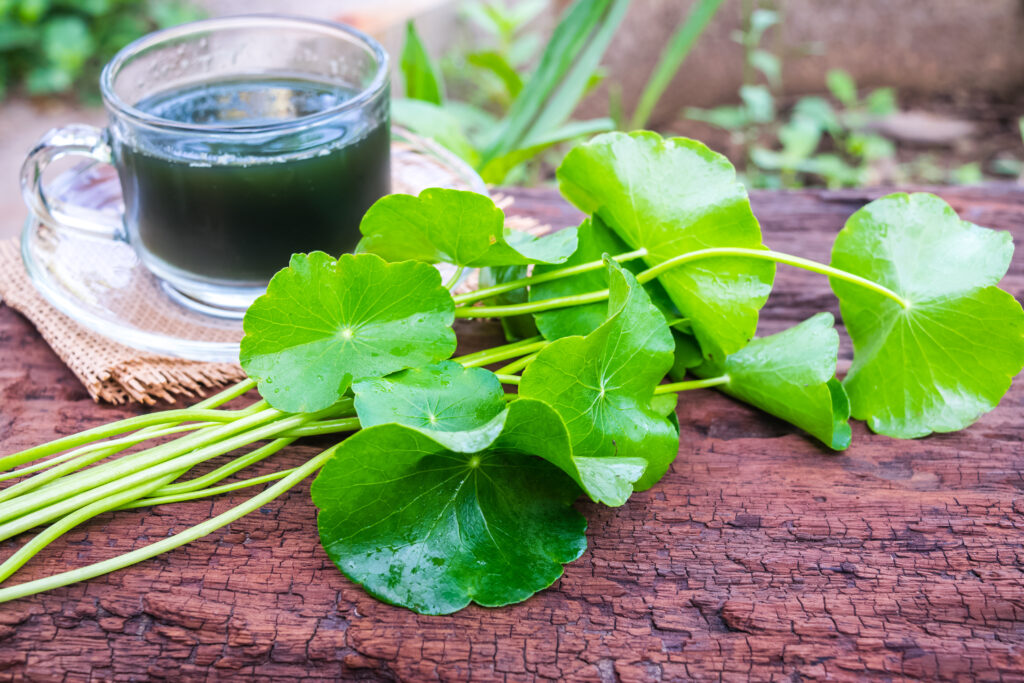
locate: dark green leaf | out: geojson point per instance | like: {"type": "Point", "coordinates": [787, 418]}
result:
{"type": "Point", "coordinates": [422, 80]}
{"type": "Point", "coordinates": [792, 376]}
{"type": "Point", "coordinates": [430, 529]}
{"type": "Point", "coordinates": [673, 196]}
{"type": "Point", "coordinates": [514, 326]}
{"type": "Point", "coordinates": [940, 363]}
{"type": "Point", "coordinates": [687, 354]}
{"type": "Point", "coordinates": [455, 226]}
{"type": "Point", "coordinates": [595, 240]}
{"type": "Point", "coordinates": [602, 384]}
{"type": "Point", "coordinates": [461, 408]}
{"type": "Point", "coordinates": [325, 323]}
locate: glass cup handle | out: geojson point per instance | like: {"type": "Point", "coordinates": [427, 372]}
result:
{"type": "Point", "coordinates": [73, 140]}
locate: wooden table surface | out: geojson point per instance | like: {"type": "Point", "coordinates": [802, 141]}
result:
{"type": "Point", "coordinates": [760, 555]}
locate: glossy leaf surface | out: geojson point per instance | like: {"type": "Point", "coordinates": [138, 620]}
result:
{"type": "Point", "coordinates": [949, 357]}
{"type": "Point", "coordinates": [324, 323]}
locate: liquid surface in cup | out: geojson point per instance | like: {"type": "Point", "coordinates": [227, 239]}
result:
{"type": "Point", "coordinates": [234, 212]}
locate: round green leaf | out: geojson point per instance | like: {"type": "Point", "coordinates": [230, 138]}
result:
{"type": "Point", "coordinates": [430, 529]}
{"type": "Point", "coordinates": [533, 426]}
{"type": "Point", "coordinates": [940, 363]}
{"type": "Point", "coordinates": [325, 323]}
{"type": "Point", "coordinates": [674, 196]}
{"type": "Point", "coordinates": [455, 226]}
{"type": "Point", "coordinates": [595, 240]}
{"type": "Point", "coordinates": [602, 384]}
{"type": "Point", "coordinates": [792, 376]}
{"type": "Point", "coordinates": [461, 408]}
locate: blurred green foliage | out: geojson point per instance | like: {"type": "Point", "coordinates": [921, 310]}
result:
{"type": "Point", "coordinates": [59, 46]}
{"type": "Point", "coordinates": [824, 140]}
{"type": "Point", "coordinates": [505, 102]}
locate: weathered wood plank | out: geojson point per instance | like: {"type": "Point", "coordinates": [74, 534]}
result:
{"type": "Point", "coordinates": [759, 556]}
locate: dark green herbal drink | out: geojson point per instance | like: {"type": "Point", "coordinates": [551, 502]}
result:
{"type": "Point", "coordinates": [231, 209]}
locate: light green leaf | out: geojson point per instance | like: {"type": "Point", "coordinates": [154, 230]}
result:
{"type": "Point", "coordinates": [558, 84]}
{"type": "Point", "coordinates": [497, 64]}
{"type": "Point", "coordinates": [792, 376]}
{"type": "Point", "coordinates": [940, 363]}
{"type": "Point", "coordinates": [727, 118]}
{"type": "Point", "coordinates": [673, 196]}
{"type": "Point", "coordinates": [498, 169]}
{"type": "Point", "coordinates": [542, 431]}
{"type": "Point", "coordinates": [430, 529]}
{"type": "Point", "coordinates": [67, 42]}
{"type": "Point", "coordinates": [759, 103]}
{"type": "Point", "coordinates": [431, 121]}
{"type": "Point", "coordinates": [840, 83]}
{"type": "Point", "coordinates": [455, 226]}
{"type": "Point", "coordinates": [769, 65]}
{"type": "Point", "coordinates": [602, 384]}
{"type": "Point", "coordinates": [595, 240]}
{"type": "Point", "coordinates": [422, 79]}
{"type": "Point", "coordinates": [463, 409]}
{"type": "Point", "coordinates": [325, 323]}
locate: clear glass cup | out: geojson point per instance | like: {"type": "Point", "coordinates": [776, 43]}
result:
{"type": "Point", "coordinates": [281, 146]}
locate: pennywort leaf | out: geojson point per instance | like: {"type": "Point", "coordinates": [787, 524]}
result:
{"type": "Point", "coordinates": [792, 375]}
{"type": "Point", "coordinates": [595, 240]}
{"type": "Point", "coordinates": [431, 529]}
{"type": "Point", "coordinates": [602, 384]}
{"type": "Point", "coordinates": [949, 355]}
{"type": "Point", "coordinates": [463, 409]}
{"type": "Point", "coordinates": [324, 323]}
{"type": "Point", "coordinates": [673, 196]}
{"type": "Point", "coordinates": [455, 226]}
{"type": "Point", "coordinates": [422, 80]}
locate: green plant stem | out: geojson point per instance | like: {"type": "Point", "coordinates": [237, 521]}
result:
{"type": "Point", "coordinates": [110, 448]}
{"type": "Point", "coordinates": [114, 429]}
{"type": "Point", "coordinates": [224, 471]}
{"type": "Point", "coordinates": [85, 487]}
{"type": "Point", "coordinates": [14, 502]}
{"type": "Point", "coordinates": [549, 276]}
{"type": "Point", "coordinates": [153, 499]}
{"type": "Point", "coordinates": [676, 387]}
{"type": "Point", "coordinates": [654, 271]}
{"type": "Point", "coordinates": [69, 522]}
{"type": "Point", "coordinates": [672, 58]}
{"type": "Point", "coordinates": [500, 353]}
{"type": "Point", "coordinates": [454, 279]}
{"type": "Point", "coordinates": [322, 427]}
{"type": "Point", "coordinates": [777, 257]}
{"type": "Point", "coordinates": [154, 431]}
{"type": "Point", "coordinates": [531, 307]}
{"type": "Point", "coordinates": [518, 365]}
{"type": "Point", "coordinates": [508, 379]}
{"type": "Point", "coordinates": [172, 542]}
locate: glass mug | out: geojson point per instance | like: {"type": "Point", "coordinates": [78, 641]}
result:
{"type": "Point", "coordinates": [237, 141]}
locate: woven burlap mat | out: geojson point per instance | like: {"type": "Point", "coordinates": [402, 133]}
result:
{"type": "Point", "coordinates": [119, 374]}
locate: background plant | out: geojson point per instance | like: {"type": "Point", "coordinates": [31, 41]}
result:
{"type": "Point", "coordinates": [58, 46]}
{"type": "Point", "coordinates": [520, 112]}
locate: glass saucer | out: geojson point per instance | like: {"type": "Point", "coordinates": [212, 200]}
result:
{"type": "Point", "coordinates": [102, 285]}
